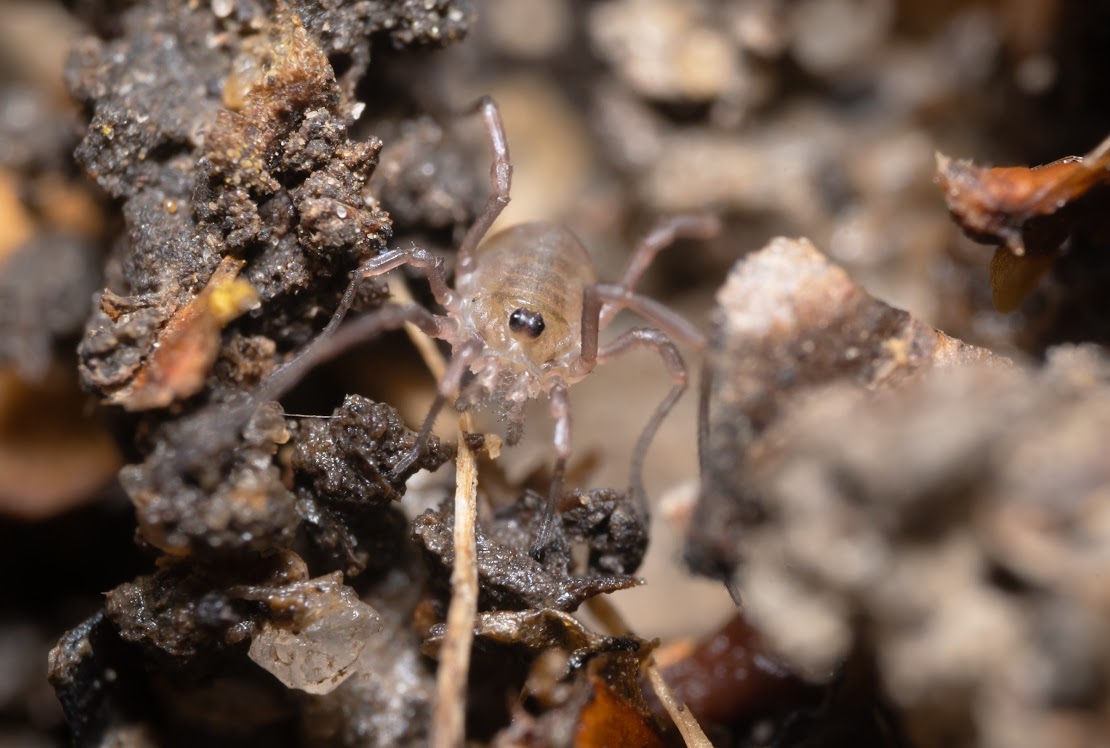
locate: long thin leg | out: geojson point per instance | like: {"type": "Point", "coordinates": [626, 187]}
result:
{"type": "Point", "coordinates": [560, 411]}
{"type": "Point", "coordinates": [600, 295]}
{"type": "Point", "coordinates": [501, 177]}
{"type": "Point", "coordinates": [676, 367]}
{"type": "Point", "coordinates": [327, 345]}
{"type": "Point", "coordinates": [216, 428]}
{"type": "Point", "coordinates": [447, 388]}
{"type": "Point", "coordinates": [662, 236]}
{"type": "Point", "coordinates": [383, 263]}
{"type": "Point", "coordinates": [705, 384]}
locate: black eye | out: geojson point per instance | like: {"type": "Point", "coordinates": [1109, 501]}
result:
{"type": "Point", "coordinates": [526, 321]}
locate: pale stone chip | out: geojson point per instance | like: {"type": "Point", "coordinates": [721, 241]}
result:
{"type": "Point", "coordinates": [316, 649]}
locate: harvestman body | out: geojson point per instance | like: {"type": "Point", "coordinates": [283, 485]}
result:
{"type": "Point", "coordinates": [524, 317]}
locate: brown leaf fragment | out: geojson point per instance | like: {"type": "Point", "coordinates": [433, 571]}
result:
{"type": "Point", "coordinates": [187, 346]}
{"type": "Point", "coordinates": [996, 205]}
{"type": "Point", "coordinates": [1030, 212]}
{"type": "Point", "coordinates": [543, 629]}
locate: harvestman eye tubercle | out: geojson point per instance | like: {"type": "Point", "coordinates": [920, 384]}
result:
{"type": "Point", "coordinates": [524, 318]}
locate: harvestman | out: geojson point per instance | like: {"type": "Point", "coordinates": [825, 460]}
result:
{"type": "Point", "coordinates": [524, 317]}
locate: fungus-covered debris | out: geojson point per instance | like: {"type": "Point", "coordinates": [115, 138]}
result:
{"type": "Point", "coordinates": [951, 531]}
{"type": "Point", "coordinates": [347, 459]}
{"type": "Point", "coordinates": [343, 467]}
{"type": "Point", "coordinates": [512, 579]}
{"type": "Point", "coordinates": [276, 183]}
{"type": "Point", "coordinates": [959, 534]}
{"type": "Point", "coordinates": [203, 490]}
{"type": "Point", "coordinates": [788, 323]}
{"type": "Point", "coordinates": [1030, 213]}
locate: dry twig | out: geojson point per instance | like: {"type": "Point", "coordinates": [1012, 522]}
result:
{"type": "Point", "coordinates": [691, 731]}
{"type": "Point", "coordinates": [449, 717]}
{"type": "Point", "coordinates": [448, 724]}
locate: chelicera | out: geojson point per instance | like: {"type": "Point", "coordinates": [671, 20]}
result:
{"type": "Point", "coordinates": [523, 318]}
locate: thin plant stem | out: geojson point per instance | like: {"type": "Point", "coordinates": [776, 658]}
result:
{"type": "Point", "coordinates": [449, 715]}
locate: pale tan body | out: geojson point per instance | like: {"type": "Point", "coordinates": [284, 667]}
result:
{"type": "Point", "coordinates": [514, 270]}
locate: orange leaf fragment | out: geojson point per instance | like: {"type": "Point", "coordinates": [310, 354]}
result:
{"type": "Point", "coordinates": [187, 346]}
{"type": "Point", "coordinates": [608, 721]}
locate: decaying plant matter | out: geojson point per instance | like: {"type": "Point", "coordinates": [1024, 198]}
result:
{"type": "Point", "coordinates": [875, 517]}
{"type": "Point", "coordinates": [244, 203]}
{"type": "Point", "coordinates": [1030, 213]}
{"type": "Point", "coordinates": [912, 522]}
